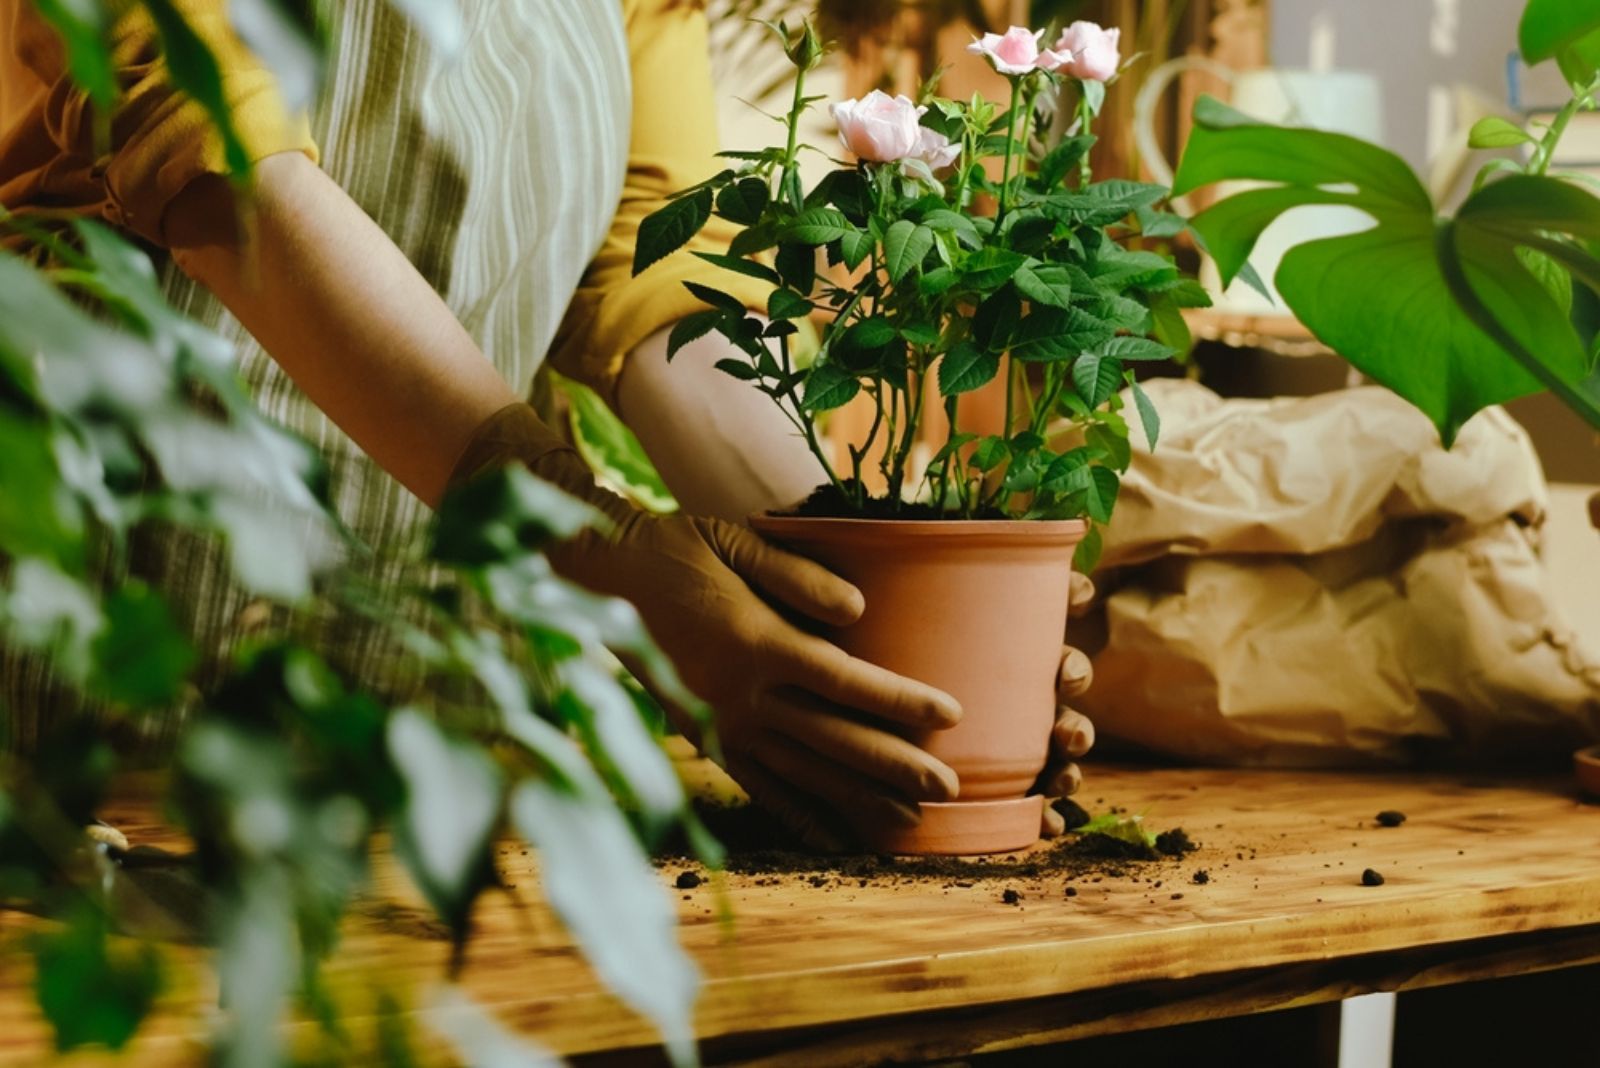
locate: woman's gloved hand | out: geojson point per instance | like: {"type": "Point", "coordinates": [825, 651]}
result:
{"type": "Point", "coordinates": [801, 724]}
{"type": "Point", "coordinates": [1073, 735]}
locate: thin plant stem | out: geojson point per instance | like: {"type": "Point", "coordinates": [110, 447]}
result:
{"type": "Point", "coordinates": [1011, 138]}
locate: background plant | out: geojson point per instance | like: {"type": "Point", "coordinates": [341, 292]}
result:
{"type": "Point", "coordinates": [932, 290]}
{"type": "Point", "coordinates": [1452, 313]}
{"type": "Point", "coordinates": [116, 415]}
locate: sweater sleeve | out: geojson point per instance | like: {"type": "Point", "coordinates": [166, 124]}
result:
{"type": "Point", "coordinates": [161, 140]}
{"type": "Point", "coordinates": [672, 145]}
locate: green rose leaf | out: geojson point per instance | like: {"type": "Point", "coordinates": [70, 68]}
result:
{"type": "Point", "coordinates": [829, 386]}
{"type": "Point", "coordinates": [665, 231]}
{"type": "Point", "coordinates": [787, 304]}
{"type": "Point", "coordinates": [743, 201]}
{"type": "Point", "coordinates": [818, 226]}
{"type": "Point", "coordinates": [739, 369]}
{"type": "Point", "coordinates": [1096, 377]}
{"type": "Point", "coordinates": [1048, 335]}
{"type": "Point", "coordinates": [1134, 349]}
{"type": "Point", "coordinates": [1060, 161]}
{"type": "Point", "coordinates": [991, 452]}
{"type": "Point", "coordinates": [905, 245]}
{"type": "Point", "coordinates": [740, 265]}
{"type": "Point", "coordinates": [966, 367]}
{"type": "Point", "coordinates": [716, 297]}
{"type": "Point", "coordinates": [855, 247]}
{"type": "Point", "coordinates": [1044, 285]}
{"type": "Point", "coordinates": [990, 268]}
{"type": "Point", "coordinates": [692, 327]}
{"type": "Point", "coordinates": [1149, 418]}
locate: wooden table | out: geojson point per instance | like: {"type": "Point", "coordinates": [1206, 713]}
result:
{"type": "Point", "coordinates": [1486, 878]}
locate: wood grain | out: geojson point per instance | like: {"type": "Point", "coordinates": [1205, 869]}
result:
{"type": "Point", "coordinates": [1476, 860]}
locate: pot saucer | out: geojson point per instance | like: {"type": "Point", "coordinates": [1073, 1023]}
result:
{"type": "Point", "coordinates": [967, 828]}
{"type": "Point", "coordinates": [1586, 762]}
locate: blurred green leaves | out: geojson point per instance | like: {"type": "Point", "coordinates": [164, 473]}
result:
{"type": "Point", "coordinates": [116, 414]}
{"type": "Point", "coordinates": [94, 991]}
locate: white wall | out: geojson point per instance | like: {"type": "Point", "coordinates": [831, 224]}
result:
{"type": "Point", "coordinates": [1419, 49]}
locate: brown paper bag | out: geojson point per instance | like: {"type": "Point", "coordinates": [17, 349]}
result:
{"type": "Point", "coordinates": [1316, 581]}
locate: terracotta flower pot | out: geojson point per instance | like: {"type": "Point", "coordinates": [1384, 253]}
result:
{"type": "Point", "coordinates": [977, 608]}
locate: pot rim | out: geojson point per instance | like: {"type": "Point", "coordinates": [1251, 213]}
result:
{"type": "Point", "coordinates": [1021, 530]}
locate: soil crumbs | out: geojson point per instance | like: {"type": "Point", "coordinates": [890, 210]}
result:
{"type": "Point", "coordinates": [757, 845]}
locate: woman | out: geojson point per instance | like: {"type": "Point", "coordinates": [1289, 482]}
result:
{"type": "Point", "coordinates": [469, 217]}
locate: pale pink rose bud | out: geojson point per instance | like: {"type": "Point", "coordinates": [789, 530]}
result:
{"type": "Point", "coordinates": [935, 149]}
{"type": "Point", "coordinates": [1016, 51]}
{"type": "Point", "coordinates": [1093, 49]}
{"type": "Point", "coordinates": [879, 127]}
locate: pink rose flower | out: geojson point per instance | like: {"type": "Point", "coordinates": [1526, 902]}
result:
{"type": "Point", "coordinates": [879, 127]}
{"type": "Point", "coordinates": [1017, 51]}
{"type": "Point", "coordinates": [1093, 49]}
{"type": "Point", "coordinates": [935, 149]}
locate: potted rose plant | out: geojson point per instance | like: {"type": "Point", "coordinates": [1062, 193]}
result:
{"type": "Point", "coordinates": [934, 278]}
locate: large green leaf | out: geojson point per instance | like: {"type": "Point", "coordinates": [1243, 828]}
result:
{"type": "Point", "coordinates": [611, 449]}
{"type": "Point", "coordinates": [140, 657]}
{"type": "Point", "coordinates": [83, 26]}
{"type": "Point", "coordinates": [195, 72]}
{"type": "Point", "coordinates": [1415, 303]}
{"type": "Point", "coordinates": [611, 899]}
{"type": "Point", "coordinates": [92, 993]}
{"type": "Point", "coordinates": [453, 795]}
{"type": "Point", "coordinates": [284, 37]}
{"type": "Point", "coordinates": [1550, 26]}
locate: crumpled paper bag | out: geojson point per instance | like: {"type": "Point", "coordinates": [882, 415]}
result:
{"type": "Point", "coordinates": [1317, 582]}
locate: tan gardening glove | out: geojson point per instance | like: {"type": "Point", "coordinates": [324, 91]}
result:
{"type": "Point", "coordinates": [801, 724]}
{"type": "Point", "coordinates": [1073, 734]}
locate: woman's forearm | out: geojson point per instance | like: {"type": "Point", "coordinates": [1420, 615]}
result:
{"type": "Point", "coordinates": [345, 314]}
{"type": "Point", "coordinates": [723, 448]}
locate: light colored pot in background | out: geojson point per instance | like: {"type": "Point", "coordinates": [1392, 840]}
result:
{"type": "Point", "coordinates": [978, 609]}
{"type": "Point", "coordinates": [1339, 101]}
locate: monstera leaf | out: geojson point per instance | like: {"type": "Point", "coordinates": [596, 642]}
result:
{"type": "Point", "coordinates": [1445, 312]}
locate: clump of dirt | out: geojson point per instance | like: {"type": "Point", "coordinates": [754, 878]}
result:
{"type": "Point", "coordinates": [1175, 843]}
{"type": "Point", "coordinates": [1391, 818]}
{"type": "Point", "coordinates": [1202, 877]}
{"type": "Point", "coordinates": [1011, 897]}
{"type": "Point", "coordinates": [827, 502]}
{"type": "Point", "coordinates": [1073, 813]}
{"type": "Point", "coordinates": [1371, 877]}
{"type": "Point", "coordinates": [688, 880]}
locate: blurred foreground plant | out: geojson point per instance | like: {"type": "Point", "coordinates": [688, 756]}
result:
{"type": "Point", "coordinates": [117, 414]}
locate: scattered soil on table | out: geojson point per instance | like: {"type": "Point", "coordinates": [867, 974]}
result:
{"type": "Point", "coordinates": [1390, 818]}
{"type": "Point", "coordinates": [1371, 878]}
{"type": "Point", "coordinates": [826, 502]}
{"type": "Point", "coordinates": [757, 845]}
{"type": "Point", "coordinates": [1174, 843]}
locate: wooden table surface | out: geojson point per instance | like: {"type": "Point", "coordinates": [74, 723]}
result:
{"type": "Point", "coordinates": [1484, 878]}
